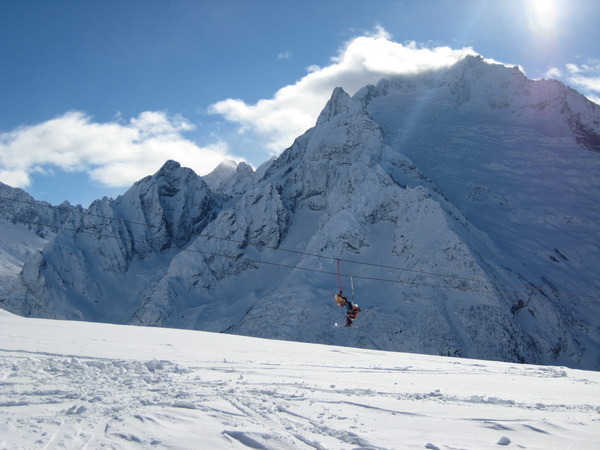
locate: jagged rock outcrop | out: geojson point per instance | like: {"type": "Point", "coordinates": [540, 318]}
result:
{"type": "Point", "coordinates": [101, 261]}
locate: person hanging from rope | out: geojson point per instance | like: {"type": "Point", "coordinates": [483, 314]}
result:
{"type": "Point", "coordinates": [352, 309]}
{"type": "Point", "coordinates": [339, 296]}
{"type": "Point", "coordinates": [352, 313]}
{"type": "Point", "coordinates": [340, 299]}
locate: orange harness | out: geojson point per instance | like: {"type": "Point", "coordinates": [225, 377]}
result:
{"type": "Point", "coordinates": [340, 300]}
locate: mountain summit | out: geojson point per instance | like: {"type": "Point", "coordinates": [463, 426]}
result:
{"type": "Point", "coordinates": [460, 204]}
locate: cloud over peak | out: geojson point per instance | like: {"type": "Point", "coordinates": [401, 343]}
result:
{"type": "Point", "coordinates": [361, 61]}
{"type": "Point", "coordinates": [122, 151]}
{"type": "Point", "coordinates": [585, 77]}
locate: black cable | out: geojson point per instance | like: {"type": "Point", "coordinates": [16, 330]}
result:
{"type": "Point", "coordinates": [297, 252]}
{"type": "Point", "coordinates": [410, 283]}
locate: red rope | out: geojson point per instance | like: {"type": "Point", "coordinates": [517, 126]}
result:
{"type": "Point", "coordinates": [340, 277]}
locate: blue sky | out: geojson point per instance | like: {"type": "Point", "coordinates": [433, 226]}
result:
{"type": "Point", "coordinates": [96, 95]}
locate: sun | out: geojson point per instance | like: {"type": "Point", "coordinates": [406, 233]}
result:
{"type": "Point", "coordinates": [543, 15]}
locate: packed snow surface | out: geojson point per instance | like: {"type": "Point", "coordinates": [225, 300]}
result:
{"type": "Point", "coordinates": [89, 385]}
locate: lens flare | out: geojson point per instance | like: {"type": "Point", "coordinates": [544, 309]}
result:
{"type": "Point", "coordinates": [543, 15]}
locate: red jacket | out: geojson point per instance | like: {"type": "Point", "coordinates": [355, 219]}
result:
{"type": "Point", "coordinates": [354, 313]}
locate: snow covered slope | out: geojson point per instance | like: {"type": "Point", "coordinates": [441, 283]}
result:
{"type": "Point", "coordinates": [103, 270]}
{"type": "Point", "coordinates": [83, 385]}
{"type": "Point", "coordinates": [462, 202]}
{"type": "Point", "coordinates": [511, 154]}
{"type": "Point", "coordinates": [26, 225]}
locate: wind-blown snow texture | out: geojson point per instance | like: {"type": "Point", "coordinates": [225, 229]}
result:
{"type": "Point", "coordinates": [474, 172]}
{"type": "Point", "coordinates": [85, 385]}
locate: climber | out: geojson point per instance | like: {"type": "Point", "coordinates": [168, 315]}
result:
{"type": "Point", "coordinates": [340, 299]}
{"type": "Point", "coordinates": [352, 314]}
{"type": "Point", "coordinates": [352, 310]}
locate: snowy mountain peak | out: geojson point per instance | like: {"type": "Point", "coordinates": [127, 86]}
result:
{"type": "Point", "coordinates": [225, 169]}
{"type": "Point", "coordinates": [170, 178]}
{"type": "Point", "coordinates": [169, 166]}
{"type": "Point", "coordinates": [339, 102]}
{"type": "Point", "coordinates": [244, 169]}
{"type": "Point", "coordinates": [480, 91]}
{"type": "Point", "coordinates": [230, 179]}
{"type": "Point", "coordinates": [18, 206]}
{"type": "Point", "coordinates": [175, 203]}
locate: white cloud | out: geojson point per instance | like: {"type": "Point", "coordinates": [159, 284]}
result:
{"type": "Point", "coordinates": [115, 154]}
{"type": "Point", "coordinates": [589, 83]}
{"type": "Point", "coordinates": [572, 68]}
{"type": "Point", "coordinates": [584, 77]}
{"type": "Point", "coordinates": [554, 72]}
{"type": "Point", "coordinates": [363, 60]}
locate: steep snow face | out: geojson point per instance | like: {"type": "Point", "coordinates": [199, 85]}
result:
{"type": "Point", "coordinates": [223, 171]}
{"type": "Point", "coordinates": [266, 267]}
{"type": "Point", "coordinates": [477, 92]}
{"type": "Point", "coordinates": [511, 155]}
{"type": "Point", "coordinates": [363, 201]}
{"type": "Point", "coordinates": [40, 218]}
{"type": "Point", "coordinates": [17, 243]}
{"type": "Point", "coordinates": [117, 249]}
{"type": "Point", "coordinates": [235, 183]}
{"type": "Point", "coordinates": [170, 208]}
{"type": "Point", "coordinates": [205, 285]}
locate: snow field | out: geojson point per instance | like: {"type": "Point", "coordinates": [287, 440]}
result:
{"type": "Point", "coordinates": [87, 385]}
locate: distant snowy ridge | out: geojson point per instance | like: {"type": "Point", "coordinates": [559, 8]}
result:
{"type": "Point", "coordinates": [159, 212]}
{"type": "Point", "coordinates": [26, 225]}
{"type": "Point", "coordinates": [463, 203]}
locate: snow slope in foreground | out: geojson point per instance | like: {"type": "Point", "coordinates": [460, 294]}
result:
{"type": "Point", "coordinates": [88, 385]}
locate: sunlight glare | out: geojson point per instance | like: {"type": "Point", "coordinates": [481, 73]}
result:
{"type": "Point", "coordinates": [543, 15]}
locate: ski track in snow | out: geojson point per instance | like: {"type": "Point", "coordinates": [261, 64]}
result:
{"type": "Point", "coordinates": [236, 392]}
{"type": "Point", "coordinates": [52, 401]}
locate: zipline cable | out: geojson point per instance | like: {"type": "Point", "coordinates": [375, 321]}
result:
{"type": "Point", "coordinates": [297, 252]}
{"type": "Point", "coordinates": [258, 245]}
{"type": "Point", "coordinates": [516, 295]}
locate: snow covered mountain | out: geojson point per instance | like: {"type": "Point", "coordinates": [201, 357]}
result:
{"type": "Point", "coordinates": [26, 225]}
{"type": "Point", "coordinates": [463, 203]}
{"type": "Point", "coordinates": [100, 271]}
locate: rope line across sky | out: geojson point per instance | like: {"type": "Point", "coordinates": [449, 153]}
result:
{"type": "Point", "coordinates": [532, 290]}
